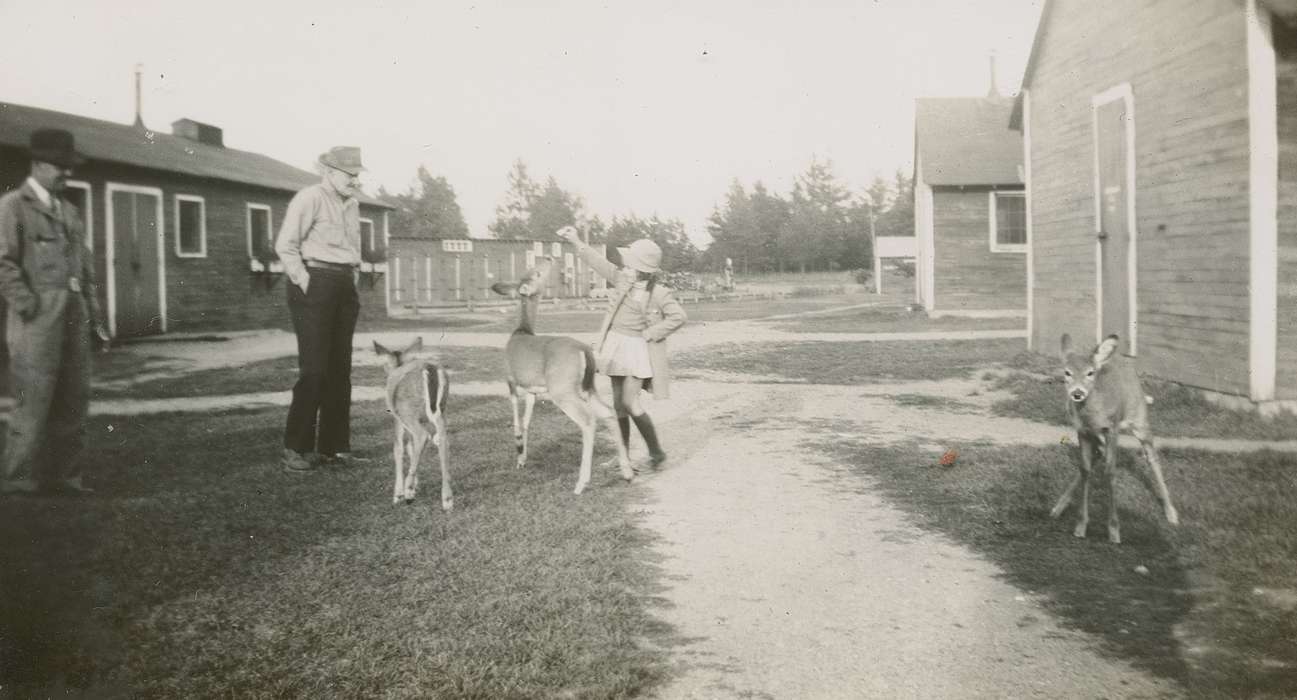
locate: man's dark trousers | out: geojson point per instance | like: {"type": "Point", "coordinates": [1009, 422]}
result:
{"type": "Point", "coordinates": [324, 318]}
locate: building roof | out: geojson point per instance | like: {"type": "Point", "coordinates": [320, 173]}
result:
{"type": "Point", "coordinates": [1284, 10]}
{"type": "Point", "coordinates": [131, 145]}
{"type": "Point", "coordinates": [966, 141]}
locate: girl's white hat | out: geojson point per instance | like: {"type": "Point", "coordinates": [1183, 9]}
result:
{"type": "Point", "coordinates": [643, 255]}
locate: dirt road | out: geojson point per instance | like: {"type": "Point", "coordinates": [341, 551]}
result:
{"type": "Point", "coordinates": [790, 579]}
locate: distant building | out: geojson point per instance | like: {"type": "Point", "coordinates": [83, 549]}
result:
{"type": "Point", "coordinates": [1161, 154]}
{"type": "Point", "coordinates": [182, 227]}
{"type": "Point", "coordinates": [969, 208]}
{"type": "Point", "coordinates": [431, 272]}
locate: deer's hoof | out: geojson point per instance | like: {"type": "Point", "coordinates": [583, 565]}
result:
{"type": "Point", "coordinates": [1114, 537]}
{"type": "Point", "coordinates": [1172, 516]}
{"type": "Point", "coordinates": [447, 504]}
{"type": "Point", "coordinates": [1079, 531]}
{"type": "Point", "coordinates": [579, 488]}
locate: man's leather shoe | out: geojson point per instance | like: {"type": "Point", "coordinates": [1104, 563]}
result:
{"type": "Point", "coordinates": [294, 461]}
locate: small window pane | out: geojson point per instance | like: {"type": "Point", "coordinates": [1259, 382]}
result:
{"type": "Point", "coordinates": [189, 227]}
{"type": "Point", "coordinates": [1011, 220]}
{"type": "Point", "coordinates": [259, 232]}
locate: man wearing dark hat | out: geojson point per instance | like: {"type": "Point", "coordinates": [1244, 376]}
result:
{"type": "Point", "coordinates": [319, 245]}
{"type": "Point", "coordinates": [48, 283]}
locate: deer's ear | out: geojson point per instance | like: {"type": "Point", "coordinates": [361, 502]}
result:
{"type": "Point", "coordinates": [380, 350]}
{"type": "Point", "coordinates": [1103, 353]}
{"type": "Point", "coordinates": [414, 346]}
{"type": "Point", "coordinates": [1065, 345]}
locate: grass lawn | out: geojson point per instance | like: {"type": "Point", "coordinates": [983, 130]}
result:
{"type": "Point", "coordinates": [1176, 410]}
{"type": "Point", "coordinates": [890, 320]}
{"type": "Point", "coordinates": [1214, 612]}
{"type": "Point", "coordinates": [852, 362]}
{"type": "Point", "coordinates": [200, 569]}
{"type": "Point", "coordinates": [279, 374]}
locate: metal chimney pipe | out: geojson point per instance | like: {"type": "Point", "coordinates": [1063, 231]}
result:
{"type": "Point", "coordinates": [139, 118]}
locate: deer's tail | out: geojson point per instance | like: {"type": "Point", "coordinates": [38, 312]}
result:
{"type": "Point", "coordinates": [435, 384]}
{"type": "Point", "coordinates": [587, 378]}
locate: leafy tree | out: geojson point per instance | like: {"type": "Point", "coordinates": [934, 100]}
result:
{"type": "Point", "coordinates": [819, 224]}
{"type": "Point", "coordinates": [678, 251]}
{"type": "Point", "coordinates": [532, 211]}
{"type": "Point", "coordinates": [428, 209]}
{"type": "Point", "coordinates": [898, 219]}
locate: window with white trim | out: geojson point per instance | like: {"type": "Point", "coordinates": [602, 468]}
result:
{"type": "Point", "coordinates": [261, 237]}
{"type": "Point", "coordinates": [191, 226]}
{"type": "Point", "coordinates": [556, 249]}
{"type": "Point", "coordinates": [77, 192]}
{"type": "Point", "coordinates": [366, 239]}
{"type": "Point", "coordinates": [538, 248]}
{"type": "Point", "coordinates": [1008, 222]}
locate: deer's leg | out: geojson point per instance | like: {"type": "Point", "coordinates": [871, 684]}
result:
{"type": "Point", "coordinates": [418, 441]}
{"type": "Point", "coordinates": [529, 402]}
{"type": "Point", "coordinates": [518, 440]}
{"type": "Point", "coordinates": [1155, 464]}
{"type": "Point", "coordinates": [1066, 499]}
{"type": "Point", "coordinates": [1110, 449]}
{"type": "Point", "coordinates": [1088, 445]}
{"type": "Point", "coordinates": [606, 414]}
{"type": "Point", "coordinates": [441, 440]}
{"type": "Point", "coordinates": [397, 455]}
{"type": "Point", "coordinates": [579, 411]}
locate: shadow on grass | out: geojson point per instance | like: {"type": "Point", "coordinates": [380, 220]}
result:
{"type": "Point", "coordinates": [1192, 618]}
{"type": "Point", "coordinates": [200, 569]}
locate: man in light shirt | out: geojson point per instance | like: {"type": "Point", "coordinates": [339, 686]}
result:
{"type": "Point", "coordinates": [48, 283]}
{"type": "Point", "coordinates": [319, 246]}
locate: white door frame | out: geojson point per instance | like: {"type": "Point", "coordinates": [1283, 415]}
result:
{"type": "Point", "coordinates": [1126, 93]}
{"type": "Point", "coordinates": [110, 237]}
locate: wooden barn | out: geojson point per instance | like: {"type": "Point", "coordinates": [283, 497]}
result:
{"type": "Point", "coordinates": [430, 272]}
{"type": "Point", "coordinates": [182, 227]}
{"type": "Point", "coordinates": [1160, 146]}
{"type": "Point", "coordinates": [969, 208]}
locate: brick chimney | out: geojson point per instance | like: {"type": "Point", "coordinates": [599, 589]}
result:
{"type": "Point", "coordinates": [198, 131]}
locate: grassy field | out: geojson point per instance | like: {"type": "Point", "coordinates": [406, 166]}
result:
{"type": "Point", "coordinates": [201, 569]}
{"type": "Point", "coordinates": [1176, 411]}
{"type": "Point", "coordinates": [852, 362]}
{"type": "Point", "coordinates": [279, 374]}
{"type": "Point", "coordinates": [1214, 612]}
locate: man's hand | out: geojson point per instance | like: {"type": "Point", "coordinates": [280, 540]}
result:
{"type": "Point", "coordinates": [569, 234]}
{"type": "Point", "coordinates": [306, 282]}
{"type": "Point", "coordinates": [28, 310]}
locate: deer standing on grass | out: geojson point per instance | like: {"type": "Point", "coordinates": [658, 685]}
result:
{"type": "Point", "coordinates": [1104, 397]}
{"type": "Point", "coordinates": [556, 367]}
{"type": "Point", "coordinates": [416, 398]}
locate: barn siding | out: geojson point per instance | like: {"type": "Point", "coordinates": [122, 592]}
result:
{"type": "Point", "coordinates": [967, 275]}
{"type": "Point", "coordinates": [1186, 64]}
{"type": "Point", "coordinates": [1286, 380]}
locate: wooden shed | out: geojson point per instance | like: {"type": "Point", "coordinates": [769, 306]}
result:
{"type": "Point", "coordinates": [969, 210]}
{"type": "Point", "coordinates": [181, 225]}
{"type": "Point", "coordinates": [1160, 145]}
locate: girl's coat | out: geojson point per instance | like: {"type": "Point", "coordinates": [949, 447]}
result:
{"type": "Point", "coordinates": [665, 315]}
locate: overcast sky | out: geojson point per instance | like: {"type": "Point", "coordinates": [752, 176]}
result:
{"type": "Point", "coordinates": [638, 107]}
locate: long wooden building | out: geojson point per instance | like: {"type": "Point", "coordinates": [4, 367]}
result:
{"type": "Point", "coordinates": [182, 226]}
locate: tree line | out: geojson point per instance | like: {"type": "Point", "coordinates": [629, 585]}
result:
{"type": "Point", "coordinates": [819, 225]}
